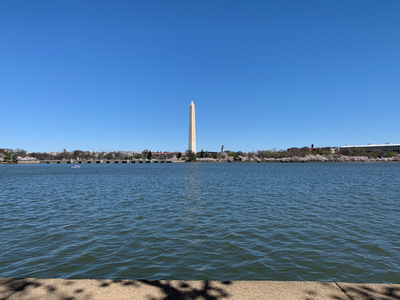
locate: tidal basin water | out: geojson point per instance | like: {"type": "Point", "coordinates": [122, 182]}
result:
{"type": "Point", "coordinates": [325, 222]}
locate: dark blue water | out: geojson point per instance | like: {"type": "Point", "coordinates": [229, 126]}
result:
{"type": "Point", "coordinates": [326, 222]}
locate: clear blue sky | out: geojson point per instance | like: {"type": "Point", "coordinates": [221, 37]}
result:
{"type": "Point", "coordinates": [121, 74]}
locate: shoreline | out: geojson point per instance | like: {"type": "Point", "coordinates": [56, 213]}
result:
{"type": "Point", "coordinates": [197, 162]}
{"type": "Point", "coordinates": [32, 288]}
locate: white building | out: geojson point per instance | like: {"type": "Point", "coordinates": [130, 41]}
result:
{"type": "Point", "coordinates": [373, 147]}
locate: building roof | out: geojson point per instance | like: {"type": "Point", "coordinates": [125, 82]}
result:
{"type": "Point", "coordinates": [371, 145]}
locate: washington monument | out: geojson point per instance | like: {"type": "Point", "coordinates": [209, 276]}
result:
{"type": "Point", "coordinates": [192, 129]}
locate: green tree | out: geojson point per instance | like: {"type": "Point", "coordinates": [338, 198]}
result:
{"type": "Point", "coordinates": [201, 153]}
{"type": "Point", "coordinates": [319, 151]}
{"type": "Point", "coordinates": [149, 155]}
{"type": "Point", "coordinates": [358, 151]}
{"type": "Point", "coordinates": [348, 152]}
{"type": "Point", "coordinates": [276, 154]}
{"type": "Point", "coordinates": [380, 153]}
{"type": "Point", "coordinates": [233, 154]}
{"type": "Point", "coordinates": [178, 155]}
{"type": "Point", "coordinates": [390, 153]}
{"type": "Point", "coordinates": [7, 156]}
{"type": "Point", "coordinates": [191, 156]}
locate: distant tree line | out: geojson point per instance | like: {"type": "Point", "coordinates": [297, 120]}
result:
{"type": "Point", "coordinates": [9, 155]}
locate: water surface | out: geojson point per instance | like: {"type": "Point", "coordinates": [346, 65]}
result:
{"type": "Point", "coordinates": [325, 222]}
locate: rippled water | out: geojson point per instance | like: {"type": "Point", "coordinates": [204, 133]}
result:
{"type": "Point", "coordinates": [327, 222]}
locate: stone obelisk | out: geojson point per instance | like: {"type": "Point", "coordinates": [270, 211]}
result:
{"type": "Point", "coordinates": [192, 129]}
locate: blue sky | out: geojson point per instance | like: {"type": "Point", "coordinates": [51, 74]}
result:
{"type": "Point", "coordinates": [121, 74]}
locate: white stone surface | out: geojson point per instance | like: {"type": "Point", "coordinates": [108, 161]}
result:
{"type": "Point", "coordinates": [192, 128]}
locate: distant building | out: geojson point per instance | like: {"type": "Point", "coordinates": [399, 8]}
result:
{"type": "Point", "coordinates": [222, 149]}
{"type": "Point", "coordinates": [372, 148]}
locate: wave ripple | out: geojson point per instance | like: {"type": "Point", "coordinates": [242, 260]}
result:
{"type": "Point", "coordinates": [325, 222]}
